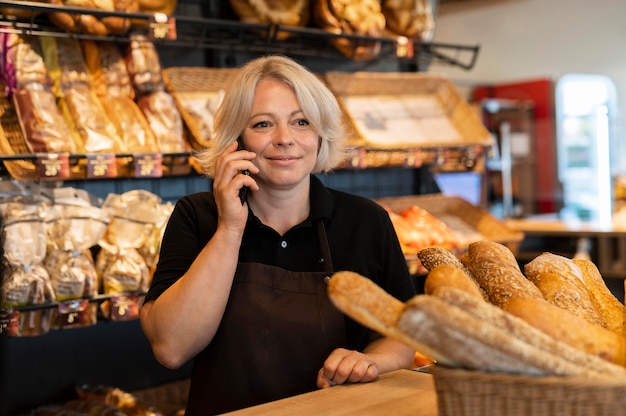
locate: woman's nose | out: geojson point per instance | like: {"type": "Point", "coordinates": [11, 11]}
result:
{"type": "Point", "coordinates": [284, 135]}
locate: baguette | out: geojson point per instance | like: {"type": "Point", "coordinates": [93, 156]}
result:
{"type": "Point", "coordinates": [561, 282]}
{"type": "Point", "coordinates": [611, 310]}
{"type": "Point", "coordinates": [520, 329]}
{"type": "Point", "coordinates": [498, 273]}
{"type": "Point", "coordinates": [477, 343]}
{"type": "Point", "coordinates": [431, 257]}
{"type": "Point", "coordinates": [571, 329]}
{"type": "Point", "coordinates": [369, 304]}
{"type": "Point", "coordinates": [446, 275]}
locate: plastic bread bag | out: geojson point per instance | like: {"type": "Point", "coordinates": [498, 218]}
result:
{"type": "Point", "coordinates": [72, 231]}
{"type": "Point", "coordinates": [134, 216]}
{"type": "Point", "coordinates": [25, 281]}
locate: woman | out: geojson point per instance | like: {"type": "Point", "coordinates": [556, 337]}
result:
{"type": "Point", "coordinates": [240, 282]}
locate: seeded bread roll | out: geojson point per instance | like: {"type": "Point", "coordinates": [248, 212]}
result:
{"type": "Point", "coordinates": [563, 325]}
{"type": "Point", "coordinates": [561, 282]}
{"type": "Point", "coordinates": [610, 308]}
{"type": "Point", "coordinates": [431, 257]}
{"type": "Point", "coordinates": [498, 273]}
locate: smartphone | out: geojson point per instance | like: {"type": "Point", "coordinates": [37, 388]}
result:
{"type": "Point", "coordinates": [243, 192]}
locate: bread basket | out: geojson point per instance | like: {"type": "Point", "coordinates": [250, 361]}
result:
{"type": "Point", "coordinates": [463, 392]}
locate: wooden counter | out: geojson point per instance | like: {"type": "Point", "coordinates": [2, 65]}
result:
{"type": "Point", "coordinates": [402, 392]}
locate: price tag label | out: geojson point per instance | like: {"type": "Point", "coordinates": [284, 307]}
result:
{"type": "Point", "coordinates": [148, 165]}
{"type": "Point", "coordinates": [75, 313]}
{"type": "Point", "coordinates": [162, 27]}
{"type": "Point", "coordinates": [101, 166]}
{"type": "Point", "coordinates": [9, 323]}
{"type": "Point", "coordinates": [53, 166]}
{"type": "Point", "coordinates": [124, 307]}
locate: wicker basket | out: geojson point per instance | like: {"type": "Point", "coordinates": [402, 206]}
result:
{"type": "Point", "coordinates": [399, 111]}
{"type": "Point", "coordinates": [473, 393]}
{"type": "Point", "coordinates": [196, 91]}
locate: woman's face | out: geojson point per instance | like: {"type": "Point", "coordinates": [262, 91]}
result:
{"type": "Point", "coordinates": [278, 132]}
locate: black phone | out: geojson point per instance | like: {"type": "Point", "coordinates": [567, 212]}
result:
{"type": "Point", "coordinates": [243, 192]}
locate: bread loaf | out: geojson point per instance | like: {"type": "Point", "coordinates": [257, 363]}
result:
{"type": "Point", "coordinates": [347, 17]}
{"type": "Point", "coordinates": [410, 18]}
{"type": "Point", "coordinates": [520, 329]}
{"type": "Point", "coordinates": [368, 304]}
{"type": "Point", "coordinates": [610, 308]}
{"type": "Point", "coordinates": [446, 275]}
{"type": "Point", "coordinates": [498, 273]}
{"type": "Point", "coordinates": [561, 282]}
{"type": "Point", "coordinates": [431, 257]}
{"type": "Point", "coordinates": [463, 340]}
{"type": "Point", "coordinates": [573, 330]}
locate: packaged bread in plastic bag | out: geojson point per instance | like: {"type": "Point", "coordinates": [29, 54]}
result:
{"type": "Point", "coordinates": [74, 226]}
{"type": "Point", "coordinates": [28, 85]}
{"type": "Point", "coordinates": [25, 281]}
{"type": "Point", "coordinates": [71, 83]}
{"type": "Point", "coordinates": [133, 217]}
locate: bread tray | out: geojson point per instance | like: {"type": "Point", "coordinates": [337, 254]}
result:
{"type": "Point", "coordinates": [462, 392]}
{"type": "Point", "coordinates": [197, 92]}
{"type": "Point", "coordinates": [469, 222]}
{"type": "Point", "coordinates": [460, 215]}
{"type": "Point", "coordinates": [407, 110]}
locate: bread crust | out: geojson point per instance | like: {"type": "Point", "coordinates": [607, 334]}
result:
{"type": "Point", "coordinates": [446, 275]}
{"type": "Point", "coordinates": [611, 310]}
{"type": "Point", "coordinates": [498, 273]}
{"type": "Point", "coordinates": [561, 282]}
{"type": "Point", "coordinates": [478, 344]}
{"type": "Point", "coordinates": [431, 257]}
{"type": "Point", "coordinates": [520, 329]}
{"type": "Point", "coordinates": [571, 329]}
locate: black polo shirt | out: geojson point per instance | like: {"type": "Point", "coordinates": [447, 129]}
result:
{"type": "Point", "coordinates": [360, 235]}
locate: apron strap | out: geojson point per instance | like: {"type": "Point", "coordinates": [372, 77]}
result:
{"type": "Point", "coordinates": [326, 262]}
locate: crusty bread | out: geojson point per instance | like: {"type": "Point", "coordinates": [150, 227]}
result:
{"type": "Point", "coordinates": [520, 329]}
{"type": "Point", "coordinates": [563, 325]}
{"type": "Point", "coordinates": [446, 275]}
{"type": "Point", "coordinates": [369, 304]}
{"type": "Point", "coordinates": [610, 308]}
{"type": "Point", "coordinates": [497, 271]}
{"type": "Point", "coordinates": [561, 282]}
{"type": "Point", "coordinates": [431, 257]}
{"type": "Point", "coordinates": [348, 17]}
{"type": "Point", "coordinates": [476, 343]}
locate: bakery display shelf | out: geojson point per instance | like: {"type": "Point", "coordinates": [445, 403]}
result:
{"type": "Point", "coordinates": [220, 34]}
{"type": "Point", "coordinates": [39, 319]}
{"type": "Point", "coordinates": [53, 166]}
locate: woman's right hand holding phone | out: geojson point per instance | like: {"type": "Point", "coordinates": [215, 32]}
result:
{"type": "Point", "coordinates": [229, 181]}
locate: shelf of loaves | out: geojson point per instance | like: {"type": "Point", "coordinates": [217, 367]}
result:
{"type": "Point", "coordinates": [33, 18]}
{"type": "Point", "coordinates": [65, 166]}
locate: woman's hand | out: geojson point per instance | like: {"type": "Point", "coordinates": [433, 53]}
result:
{"type": "Point", "coordinates": [347, 366]}
{"type": "Point", "coordinates": [381, 356]}
{"type": "Point", "coordinates": [227, 183]}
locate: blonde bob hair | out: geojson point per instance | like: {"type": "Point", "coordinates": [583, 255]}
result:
{"type": "Point", "coordinates": [317, 102]}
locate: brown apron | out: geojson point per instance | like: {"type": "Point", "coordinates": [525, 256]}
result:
{"type": "Point", "coordinates": [278, 328]}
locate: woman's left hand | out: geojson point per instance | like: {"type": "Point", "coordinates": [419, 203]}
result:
{"type": "Point", "coordinates": [346, 366]}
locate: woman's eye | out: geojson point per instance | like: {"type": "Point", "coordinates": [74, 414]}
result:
{"type": "Point", "coordinates": [261, 124]}
{"type": "Point", "coordinates": [302, 122]}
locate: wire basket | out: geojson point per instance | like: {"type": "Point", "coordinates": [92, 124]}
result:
{"type": "Point", "coordinates": [463, 392]}
{"type": "Point", "coordinates": [197, 92]}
